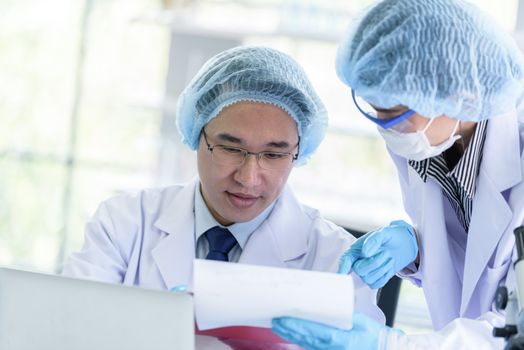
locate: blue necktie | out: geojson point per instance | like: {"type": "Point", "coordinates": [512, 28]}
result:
{"type": "Point", "coordinates": [221, 241]}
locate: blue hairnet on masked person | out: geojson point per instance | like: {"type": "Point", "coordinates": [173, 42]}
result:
{"type": "Point", "coordinates": [437, 57]}
{"type": "Point", "coordinates": [257, 74]}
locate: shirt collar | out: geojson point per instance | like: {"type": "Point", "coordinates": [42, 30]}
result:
{"type": "Point", "coordinates": [467, 168]}
{"type": "Point", "coordinates": [204, 220]}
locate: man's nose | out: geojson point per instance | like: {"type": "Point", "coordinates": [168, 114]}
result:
{"type": "Point", "coordinates": [248, 173]}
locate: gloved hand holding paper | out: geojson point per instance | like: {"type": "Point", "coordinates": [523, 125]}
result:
{"type": "Point", "coordinates": [227, 294]}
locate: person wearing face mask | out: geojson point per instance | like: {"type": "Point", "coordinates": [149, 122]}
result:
{"type": "Point", "coordinates": [444, 86]}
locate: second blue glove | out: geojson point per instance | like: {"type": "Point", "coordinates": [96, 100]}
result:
{"type": "Point", "coordinates": [380, 254]}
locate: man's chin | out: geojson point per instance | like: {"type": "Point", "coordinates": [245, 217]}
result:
{"type": "Point", "coordinates": [240, 217]}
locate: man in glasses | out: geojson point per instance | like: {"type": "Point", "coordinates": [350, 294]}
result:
{"type": "Point", "coordinates": [444, 85]}
{"type": "Point", "coordinates": [251, 115]}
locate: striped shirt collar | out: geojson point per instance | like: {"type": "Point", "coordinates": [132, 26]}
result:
{"type": "Point", "coordinates": [467, 168]}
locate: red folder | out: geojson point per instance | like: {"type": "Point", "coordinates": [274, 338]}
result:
{"type": "Point", "coordinates": [249, 338]}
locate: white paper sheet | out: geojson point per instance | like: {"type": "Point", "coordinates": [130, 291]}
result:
{"type": "Point", "coordinates": [228, 294]}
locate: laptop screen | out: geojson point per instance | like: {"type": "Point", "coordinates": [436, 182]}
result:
{"type": "Point", "coordinates": [42, 311]}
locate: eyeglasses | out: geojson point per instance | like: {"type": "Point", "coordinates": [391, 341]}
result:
{"type": "Point", "coordinates": [371, 114]}
{"type": "Point", "coordinates": [229, 155]}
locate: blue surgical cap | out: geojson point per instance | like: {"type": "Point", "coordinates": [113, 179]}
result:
{"type": "Point", "coordinates": [437, 57]}
{"type": "Point", "coordinates": [256, 74]}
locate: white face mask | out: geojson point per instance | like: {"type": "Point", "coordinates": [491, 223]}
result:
{"type": "Point", "coordinates": [415, 145]}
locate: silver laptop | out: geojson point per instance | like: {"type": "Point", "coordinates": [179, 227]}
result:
{"type": "Point", "coordinates": [47, 312]}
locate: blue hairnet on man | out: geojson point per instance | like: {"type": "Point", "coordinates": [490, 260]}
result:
{"type": "Point", "coordinates": [251, 114]}
{"type": "Point", "coordinates": [443, 85]}
{"type": "Point", "coordinates": [254, 74]}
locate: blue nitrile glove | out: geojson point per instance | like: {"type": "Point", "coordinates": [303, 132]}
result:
{"type": "Point", "coordinates": [380, 254]}
{"type": "Point", "coordinates": [364, 335]}
{"type": "Point", "coordinates": [181, 288]}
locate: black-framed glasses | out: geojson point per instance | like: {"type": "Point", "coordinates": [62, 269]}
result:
{"type": "Point", "coordinates": [372, 115]}
{"type": "Point", "coordinates": [230, 155]}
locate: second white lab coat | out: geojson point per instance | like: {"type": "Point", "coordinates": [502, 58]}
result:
{"type": "Point", "coordinates": [148, 240]}
{"type": "Point", "coordinates": [460, 285]}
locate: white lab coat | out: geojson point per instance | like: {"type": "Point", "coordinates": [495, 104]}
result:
{"type": "Point", "coordinates": [148, 240]}
{"type": "Point", "coordinates": [498, 208]}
